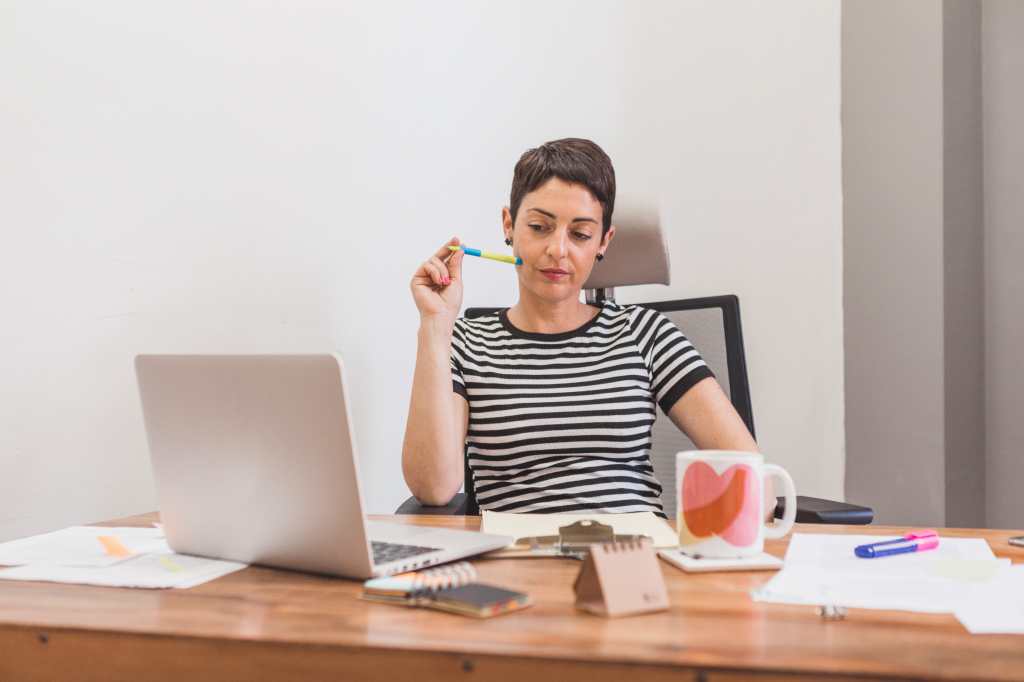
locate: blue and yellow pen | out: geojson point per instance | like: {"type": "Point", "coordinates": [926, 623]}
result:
{"type": "Point", "coordinates": [514, 260]}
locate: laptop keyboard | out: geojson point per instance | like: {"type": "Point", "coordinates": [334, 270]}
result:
{"type": "Point", "coordinates": [384, 552]}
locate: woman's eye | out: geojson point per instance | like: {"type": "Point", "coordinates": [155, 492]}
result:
{"type": "Point", "coordinates": [582, 236]}
{"type": "Point", "coordinates": [537, 227]}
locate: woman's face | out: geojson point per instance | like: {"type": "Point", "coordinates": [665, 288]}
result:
{"type": "Point", "coordinates": [557, 233]}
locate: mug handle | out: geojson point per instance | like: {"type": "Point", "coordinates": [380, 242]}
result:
{"type": "Point", "coordinates": [777, 531]}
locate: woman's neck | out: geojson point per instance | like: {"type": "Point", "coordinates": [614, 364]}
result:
{"type": "Point", "coordinates": [539, 316]}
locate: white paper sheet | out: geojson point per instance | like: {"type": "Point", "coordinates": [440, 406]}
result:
{"type": "Point", "coordinates": [997, 607]}
{"type": "Point", "coordinates": [75, 555]}
{"type": "Point", "coordinates": [79, 546]}
{"type": "Point", "coordinates": [530, 525]}
{"type": "Point", "coordinates": [161, 570]}
{"type": "Point", "coordinates": [837, 550]}
{"type": "Point", "coordinates": [822, 569]}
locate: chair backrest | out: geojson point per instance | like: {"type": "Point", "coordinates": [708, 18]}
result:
{"type": "Point", "coordinates": [638, 254]}
{"type": "Point", "coordinates": [713, 326]}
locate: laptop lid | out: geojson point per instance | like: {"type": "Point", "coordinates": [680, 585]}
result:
{"type": "Point", "coordinates": [254, 459]}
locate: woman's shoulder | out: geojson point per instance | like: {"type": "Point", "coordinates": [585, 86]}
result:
{"type": "Point", "coordinates": [641, 320]}
{"type": "Point", "coordinates": [488, 319]}
{"type": "Point", "coordinates": [627, 313]}
{"type": "Point", "coordinates": [479, 325]}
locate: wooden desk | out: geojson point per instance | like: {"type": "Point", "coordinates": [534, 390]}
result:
{"type": "Point", "coordinates": [264, 624]}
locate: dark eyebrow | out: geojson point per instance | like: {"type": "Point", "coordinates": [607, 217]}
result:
{"type": "Point", "coordinates": [581, 219]}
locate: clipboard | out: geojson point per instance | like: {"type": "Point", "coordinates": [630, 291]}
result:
{"type": "Point", "coordinates": [573, 541]}
{"type": "Point", "coordinates": [528, 524]}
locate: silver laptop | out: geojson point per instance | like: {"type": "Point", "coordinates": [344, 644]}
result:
{"type": "Point", "coordinates": [254, 459]}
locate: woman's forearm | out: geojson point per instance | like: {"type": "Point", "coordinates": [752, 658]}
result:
{"type": "Point", "coordinates": [431, 453]}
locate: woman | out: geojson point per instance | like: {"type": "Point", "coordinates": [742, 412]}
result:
{"type": "Point", "coordinates": [553, 398]}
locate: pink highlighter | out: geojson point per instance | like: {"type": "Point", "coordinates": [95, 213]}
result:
{"type": "Point", "coordinates": [914, 541]}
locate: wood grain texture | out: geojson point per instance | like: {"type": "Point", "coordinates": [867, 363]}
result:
{"type": "Point", "coordinates": [262, 623]}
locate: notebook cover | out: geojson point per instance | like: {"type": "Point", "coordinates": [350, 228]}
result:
{"type": "Point", "coordinates": [396, 586]}
{"type": "Point", "coordinates": [479, 600]}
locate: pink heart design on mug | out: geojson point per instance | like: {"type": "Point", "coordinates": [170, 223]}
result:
{"type": "Point", "coordinates": [720, 505]}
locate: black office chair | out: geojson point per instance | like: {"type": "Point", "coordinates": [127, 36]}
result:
{"type": "Point", "coordinates": [639, 256]}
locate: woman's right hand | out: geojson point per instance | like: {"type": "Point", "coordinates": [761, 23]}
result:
{"type": "Point", "coordinates": [437, 284]}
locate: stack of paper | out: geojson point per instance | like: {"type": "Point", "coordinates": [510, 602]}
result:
{"type": "Point", "coordinates": [962, 576]}
{"type": "Point", "coordinates": [114, 557]}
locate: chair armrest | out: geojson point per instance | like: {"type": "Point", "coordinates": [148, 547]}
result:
{"type": "Point", "coordinates": [818, 510]}
{"type": "Point", "coordinates": [457, 507]}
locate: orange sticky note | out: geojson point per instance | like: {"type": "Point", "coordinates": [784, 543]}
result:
{"type": "Point", "coordinates": [112, 546]}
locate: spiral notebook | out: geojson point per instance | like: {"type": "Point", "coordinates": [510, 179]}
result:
{"type": "Point", "coordinates": [449, 588]}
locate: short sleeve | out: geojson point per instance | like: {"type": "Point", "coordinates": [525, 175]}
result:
{"type": "Point", "coordinates": [675, 365]}
{"type": "Point", "coordinates": [458, 352]}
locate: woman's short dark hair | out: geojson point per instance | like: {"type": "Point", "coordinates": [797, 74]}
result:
{"type": "Point", "coordinates": [572, 160]}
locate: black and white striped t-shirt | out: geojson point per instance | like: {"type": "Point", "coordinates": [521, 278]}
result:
{"type": "Point", "coordinates": [562, 422]}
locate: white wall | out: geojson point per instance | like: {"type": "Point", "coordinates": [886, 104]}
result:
{"type": "Point", "coordinates": [241, 177]}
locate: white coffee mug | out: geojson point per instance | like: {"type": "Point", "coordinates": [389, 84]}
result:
{"type": "Point", "coordinates": [721, 511]}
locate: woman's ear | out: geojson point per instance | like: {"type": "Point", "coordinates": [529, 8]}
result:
{"type": "Point", "coordinates": [506, 222]}
{"type": "Point", "coordinates": [607, 238]}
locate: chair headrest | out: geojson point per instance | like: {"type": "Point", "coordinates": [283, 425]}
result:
{"type": "Point", "coordinates": [637, 255]}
